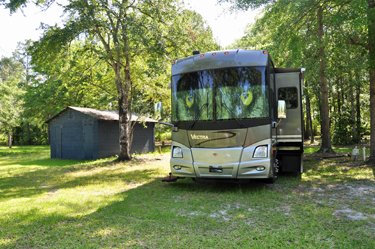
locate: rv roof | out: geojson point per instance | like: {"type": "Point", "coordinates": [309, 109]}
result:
{"type": "Point", "coordinates": [220, 59]}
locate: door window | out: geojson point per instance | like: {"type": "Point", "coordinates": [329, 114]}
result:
{"type": "Point", "coordinates": [289, 94]}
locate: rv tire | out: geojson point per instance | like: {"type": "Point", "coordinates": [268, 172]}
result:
{"type": "Point", "coordinates": [275, 169]}
{"type": "Point", "coordinates": [270, 180]}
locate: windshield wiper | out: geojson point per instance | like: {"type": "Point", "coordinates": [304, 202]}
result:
{"type": "Point", "coordinates": [199, 115]}
{"type": "Point", "coordinates": [230, 111]}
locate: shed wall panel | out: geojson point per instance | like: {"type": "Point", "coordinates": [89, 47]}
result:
{"type": "Point", "coordinates": [67, 136]}
{"type": "Point", "coordinates": [88, 140]}
{"type": "Point", "coordinates": [108, 138]}
{"type": "Point", "coordinates": [55, 134]}
{"type": "Point", "coordinates": [95, 151]}
{"type": "Point", "coordinates": [71, 141]}
{"type": "Point", "coordinates": [143, 138]}
{"type": "Point", "coordinates": [75, 135]}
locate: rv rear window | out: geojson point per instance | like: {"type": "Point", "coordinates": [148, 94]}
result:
{"type": "Point", "coordinates": [289, 94]}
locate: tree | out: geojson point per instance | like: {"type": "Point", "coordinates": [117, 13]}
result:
{"type": "Point", "coordinates": [75, 77]}
{"type": "Point", "coordinates": [24, 58]}
{"type": "Point", "coordinates": [294, 24]}
{"type": "Point", "coordinates": [314, 32]}
{"type": "Point", "coordinates": [10, 98]}
{"type": "Point", "coordinates": [371, 48]}
{"type": "Point", "coordinates": [125, 30]}
{"type": "Point", "coordinates": [123, 33]}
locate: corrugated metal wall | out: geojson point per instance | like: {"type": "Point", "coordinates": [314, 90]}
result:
{"type": "Point", "coordinates": [143, 141]}
{"type": "Point", "coordinates": [108, 138]}
{"type": "Point", "coordinates": [75, 135]}
{"type": "Point", "coordinates": [143, 138]}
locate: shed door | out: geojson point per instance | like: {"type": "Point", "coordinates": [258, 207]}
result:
{"type": "Point", "coordinates": [88, 139]}
{"type": "Point", "coordinates": [57, 142]}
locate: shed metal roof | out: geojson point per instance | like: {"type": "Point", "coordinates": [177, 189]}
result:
{"type": "Point", "coordinates": [103, 114]}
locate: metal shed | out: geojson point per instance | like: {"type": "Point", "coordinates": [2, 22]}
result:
{"type": "Point", "coordinates": [85, 133]}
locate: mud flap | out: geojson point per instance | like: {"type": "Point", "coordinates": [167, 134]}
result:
{"type": "Point", "coordinates": [171, 179]}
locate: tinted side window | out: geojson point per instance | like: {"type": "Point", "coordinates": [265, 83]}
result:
{"type": "Point", "coordinates": [289, 94]}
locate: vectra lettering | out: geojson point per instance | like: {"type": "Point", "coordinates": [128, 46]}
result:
{"type": "Point", "coordinates": [193, 136]}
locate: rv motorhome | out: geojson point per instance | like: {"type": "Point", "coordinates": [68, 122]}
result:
{"type": "Point", "coordinates": [235, 116]}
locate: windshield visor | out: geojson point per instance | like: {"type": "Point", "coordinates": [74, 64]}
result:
{"type": "Point", "coordinates": [220, 94]}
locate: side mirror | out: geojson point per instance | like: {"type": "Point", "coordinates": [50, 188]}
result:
{"type": "Point", "coordinates": [281, 109]}
{"type": "Point", "coordinates": [158, 111]}
{"type": "Point", "coordinates": [158, 115]}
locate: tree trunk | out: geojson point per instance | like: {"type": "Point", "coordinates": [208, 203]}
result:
{"type": "Point", "coordinates": [372, 115]}
{"type": "Point", "coordinates": [307, 126]}
{"type": "Point", "coordinates": [326, 136]}
{"type": "Point", "coordinates": [338, 97]}
{"type": "Point", "coordinates": [371, 47]}
{"type": "Point", "coordinates": [116, 56]}
{"type": "Point", "coordinates": [319, 117]}
{"type": "Point", "coordinates": [311, 129]}
{"type": "Point", "coordinates": [358, 107]}
{"type": "Point", "coordinates": [123, 117]}
{"type": "Point", "coordinates": [334, 101]}
{"type": "Point", "coordinates": [49, 134]}
{"type": "Point", "coordinates": [352, 111]}
{"type": "Point", "coordinates": [28, 133]}
{"type": "Point", "coordinates": [308, 112]}
{"type": "Point", "coordinates": [125, 124]}
{"type": "Point", "coordinates": [10, 137]}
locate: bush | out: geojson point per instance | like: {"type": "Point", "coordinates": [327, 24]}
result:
{"type": "Point", "coordinates": [163, 132]}
{"type": "Point", "coordinates": [38, 135]}
{"type": "Point", "coordinates": [342, 129]}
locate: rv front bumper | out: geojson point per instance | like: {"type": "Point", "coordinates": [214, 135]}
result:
{"type": "Point", "coordinates": [225, 163]}
{"type": "Point", "coordinates": [244, 170]}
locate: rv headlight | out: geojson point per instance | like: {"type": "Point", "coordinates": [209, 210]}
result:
{"type": "Point", "coordinates": [260, 168]}
{"type": "Point", "coordinates": [177, 152]}
{"type": "Point", "coordinates": [177, 167]}
{"type": "Point", "coordinates": [261, 151]}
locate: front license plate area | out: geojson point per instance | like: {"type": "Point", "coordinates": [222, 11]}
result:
{"type": "Point", "coordinates": [216, 169]}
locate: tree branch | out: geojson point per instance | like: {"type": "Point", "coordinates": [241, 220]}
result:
{"type": "Point", "coordinates": [354, 42]}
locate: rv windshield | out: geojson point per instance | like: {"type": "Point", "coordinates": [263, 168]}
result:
{"type": "Point", "coordinates": [225, 94]}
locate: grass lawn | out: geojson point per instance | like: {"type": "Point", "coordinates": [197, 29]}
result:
{"type": "Point", "coordinates": [49, 203]}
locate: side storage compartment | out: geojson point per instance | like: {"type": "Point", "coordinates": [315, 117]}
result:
{"type": "Point", "coordinates": [291, 163]}
{"type": "Point", "coordinates": [290, 157]}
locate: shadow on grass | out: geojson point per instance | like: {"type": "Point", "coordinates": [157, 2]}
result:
{"type": "Point", "coordinates": [50, 162]}
{"type": "Point", "coordinates": [53, 176]}
{"type": "Point", "coordinates": [335, 171]}
{"type": "Point", "coordinates": [220, 186]}
{"type": "Point", "coordinates": [138, 218]}
{"type": "Point", "coordinates": [156, 215]}
{"type": "Point", "coordinates": [23, 150]}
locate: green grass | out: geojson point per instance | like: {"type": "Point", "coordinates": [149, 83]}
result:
{"type": "Point", "coordinates": [49, 203]}
{"type": "Point", "coordinates": [23, 150]}
{"type": "Point", "coordinates": [337, 149]}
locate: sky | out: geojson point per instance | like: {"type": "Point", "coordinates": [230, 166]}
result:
{"type": "Point", "coordinates": [20, 26]}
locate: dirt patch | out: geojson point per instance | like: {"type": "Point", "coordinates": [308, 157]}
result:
{"type": "Point", "coordinates": [348, 196]}
{"type": "Point", "coordinates": [350, 214]}
{"type": "Point", "coordinates": [321, 156]}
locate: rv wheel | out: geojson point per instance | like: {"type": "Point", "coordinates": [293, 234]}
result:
{"type": "Point", "coordinates": [270, 180]}
{"type": "Point", "coordinates": [275, 169]}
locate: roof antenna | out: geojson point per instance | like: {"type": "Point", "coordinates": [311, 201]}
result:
{"type": "Point", "coordinates": [196, 52]}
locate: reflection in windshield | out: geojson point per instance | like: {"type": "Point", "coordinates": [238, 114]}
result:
{"type": "Point", "coordinates": [229, 93]}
